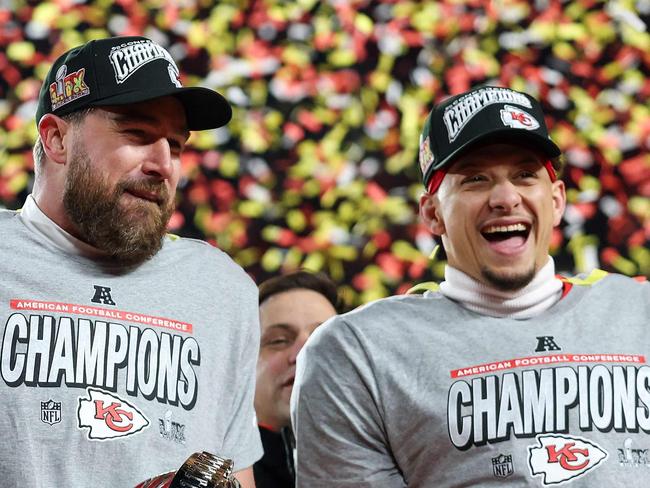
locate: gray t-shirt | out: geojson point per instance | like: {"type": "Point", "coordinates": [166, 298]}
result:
{"type": "Point", "coordinates": [417, 391]}
{"type": "Point", "coordinates": [112, 375]}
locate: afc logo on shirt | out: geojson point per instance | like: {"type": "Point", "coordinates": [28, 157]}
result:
{"type": "Point", "coordinates": [102, 295]}
{"type": "Point", "coordinates": [546, 343]}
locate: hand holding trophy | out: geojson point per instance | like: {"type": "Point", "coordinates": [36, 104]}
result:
{"type": "Point", "coordinates": [201, 469]}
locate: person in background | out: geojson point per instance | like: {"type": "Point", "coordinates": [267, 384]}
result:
{"type": "Point", "coordinates": [506, 374]}
{"type": "Point", "coordinates": [292, 306]}
{"type": "Point", "coordinates": [125, 350]}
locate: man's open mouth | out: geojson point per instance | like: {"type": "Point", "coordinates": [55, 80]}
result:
{"type": "Point", "coordinates": [498, 233]}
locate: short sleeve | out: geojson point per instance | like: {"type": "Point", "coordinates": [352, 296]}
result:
{"type": "Point", "coordinates": [337, 415]}
{"type": "Point", "coordinates": [242, 441]}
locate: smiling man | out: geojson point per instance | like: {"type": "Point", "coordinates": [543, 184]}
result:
{"type": "Point", "coordinates": [125, 350]}
{"type": "Point", "coordinates": [505, 374]}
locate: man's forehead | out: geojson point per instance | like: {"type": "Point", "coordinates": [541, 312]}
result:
{"type": "Point", "coordinates": [277, 327]}
{"type": "Point", "coordinates": [497, 154]}
{"type": "Point", "coordinates": [165, 110]}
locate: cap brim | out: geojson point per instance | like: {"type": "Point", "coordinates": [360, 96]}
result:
{"type": "Point", "coordinates": [507, 136]}
{"type": "Point", "coordinates": [204, 108]}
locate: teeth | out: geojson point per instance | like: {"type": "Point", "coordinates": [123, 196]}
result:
{"type": "Point", "coordinates": [505, 228]}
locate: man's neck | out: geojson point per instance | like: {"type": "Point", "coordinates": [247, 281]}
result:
{"type": "Point", "coordinates": [49, 199]}
{"type": "Point", "coordinates": [533, 299]}
{"type": "Point", "coordinates": [39, 222]}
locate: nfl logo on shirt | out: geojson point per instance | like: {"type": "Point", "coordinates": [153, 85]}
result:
{"type": "Point", "coordinates": [51, 412]}
{"type": "Point", "coordinates": [502, 466]}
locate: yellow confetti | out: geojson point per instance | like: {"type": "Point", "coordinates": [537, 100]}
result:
{"type": "Point", "coordinates": [272, 259]}
{"type": "Point", "coordinates": [20, 51]}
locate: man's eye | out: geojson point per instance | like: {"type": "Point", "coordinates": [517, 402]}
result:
{"type": "Point", "coordinates": [277, 342]}
{"type": "Point", "coordinates": [527, 174]}
{"type": "Point", "coordinates": [175, 146]}
{"type": "Point", "coordinates": [136, 133]}
{"type": "Point", "coordinates": [474, 179]}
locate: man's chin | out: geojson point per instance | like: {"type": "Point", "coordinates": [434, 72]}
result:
{"type": "Point", "coordinates": [137, 256]}
{"type": "Point", "coordinates": [286, 391]}
{"type": "Point", "coordinates": [134, 207]}
{"type": "Point", "coordinates": [508, 280]}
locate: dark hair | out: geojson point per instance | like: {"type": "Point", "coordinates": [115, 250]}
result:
{"type": "Point", "coordinates": [308, 280]}
{"type": "Point", "coordinates": [558, 165]}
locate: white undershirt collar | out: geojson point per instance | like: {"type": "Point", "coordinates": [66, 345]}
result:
{"type": "Point", "coordinates": [539, 295]}
{"type": "Point", "coordinates": [36, 221]}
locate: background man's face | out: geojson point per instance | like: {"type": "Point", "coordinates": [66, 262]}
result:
{"type": "Point", "coordinates": [287, 319]}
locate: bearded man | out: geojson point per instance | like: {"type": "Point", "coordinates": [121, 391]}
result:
{"type": "Point", "coordinates": [125, 350]}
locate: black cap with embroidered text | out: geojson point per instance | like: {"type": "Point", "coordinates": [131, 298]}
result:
{"type": "Point", "coordinates": [479, 115]}
{"type": "Point", "coordinates": [121, 71]}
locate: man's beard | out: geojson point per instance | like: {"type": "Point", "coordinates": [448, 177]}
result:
{"type": "Point", "coordinates": [508, 282]}
{"type": "Point", "coordinates": [129, 233]}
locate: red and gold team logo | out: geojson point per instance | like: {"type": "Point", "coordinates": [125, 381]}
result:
{"type": "Point", "coordinates": [518, 119]}
{"type": "Point", "coordinates": [68, 87]}
{"type": "Point", "coordinates": [426, 155]}
{"type": "Point", "coordinates": [108, 417]}
{"type": "Point", "coordinates": [560, 458]}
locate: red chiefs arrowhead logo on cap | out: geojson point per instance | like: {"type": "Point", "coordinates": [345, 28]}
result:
{"type": "Point", "coordinates": [518, 119]}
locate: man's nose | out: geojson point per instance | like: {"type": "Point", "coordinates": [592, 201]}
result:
{"type": "Point", "coordinates": [505, 196]}
{"type": "Point", "coordinates": [296, 347]}
{"type": "Point", "coordinates": [159, 160]}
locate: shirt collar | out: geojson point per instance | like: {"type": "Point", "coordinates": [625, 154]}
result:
{"type": "Point", "coordinates": [39, 223]}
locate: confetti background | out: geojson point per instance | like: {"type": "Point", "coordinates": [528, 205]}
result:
{"type": "Point", "coordinates": [318, 167]}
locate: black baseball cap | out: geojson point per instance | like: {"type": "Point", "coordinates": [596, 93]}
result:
{"type": "Point", "coordinates": [486, 113]}
{"type": "Point", "coordinates": [121, 71]}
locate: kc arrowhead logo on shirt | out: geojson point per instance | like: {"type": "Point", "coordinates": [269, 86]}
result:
{"type": "Point", "coordinates": [558, 458]}
{"type": "Point", "coordinates": [108, 416]}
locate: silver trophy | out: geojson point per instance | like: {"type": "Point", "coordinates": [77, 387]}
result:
{"type": "Point", "coordinates": [201, 470]}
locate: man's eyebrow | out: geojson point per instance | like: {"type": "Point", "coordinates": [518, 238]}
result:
{"type": "Point", "coordinates": [465, 165]}
{"type": "Point", "coordinates": [142, 118]}
{"type": "Point", "coordinates": [280, 325]}
{"type": "Point", "coordinates": [477, 163]}
{"type": "Point", "coordinates": [531, 160]}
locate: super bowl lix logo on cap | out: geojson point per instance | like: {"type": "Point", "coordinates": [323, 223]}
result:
{"type": "Point", "coordinates": [129, 57]}
{"type": "Point", "coordinates": [68, 87]}
{"type": "Point", "coordinates": [461, 111]}
{"type": "Point", "coordinates": [426, 156]}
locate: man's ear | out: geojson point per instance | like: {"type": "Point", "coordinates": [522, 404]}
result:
{"type": "Point", "coordinates": [52, 131]}
{"type": "Point", "coordinates": [559, 201]}
{"type": "Point", "coordinates": [430, 213]}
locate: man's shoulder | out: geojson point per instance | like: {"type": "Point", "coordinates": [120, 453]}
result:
{"type": "Point", "coordinates": [11, 225]}
{"type": "Point", "coordinates": [202, 256]}
{"type": "Point", "coordinates": [618, 285]}
{"type": "Point", "coordinates": [7, 216]}
{"type": "Point", "coordinates": [397, 305]}
{"type": "Point", "coordinates": [599, 279]}
{"type": "Point", "coordinates": [600, 288]}
{"type": "Point", "coordinates": [389, 316]}
{"type": "Point", "coordinates": [198, 249]}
